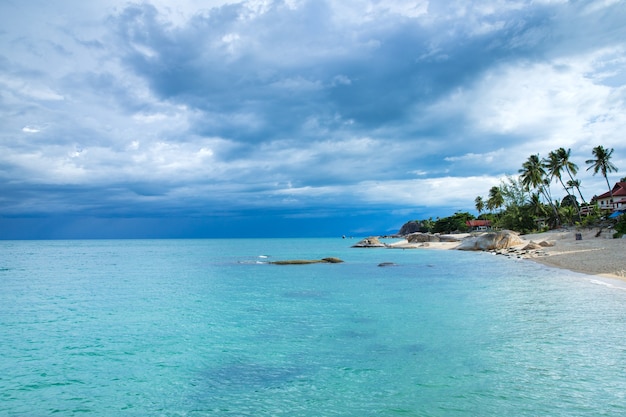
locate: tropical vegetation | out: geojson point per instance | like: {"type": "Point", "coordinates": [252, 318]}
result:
{"type": "Point", "coordinates": [525, 203]}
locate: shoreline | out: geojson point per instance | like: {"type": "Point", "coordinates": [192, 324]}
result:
{"type": "Point", "coordinates": [600, 256]}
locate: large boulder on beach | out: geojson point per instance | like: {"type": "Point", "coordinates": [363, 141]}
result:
{"type": "Point", "coordinates": [422, 237]}
{"type": "Point", "coordinates": [430, 237]}
{"type": "Point", "coordinates": [449, 238]}
{"type": "Point", "coordinates": [369, 242]}
{"type": "Point", "coordinates": [491, 241]}
{"type": "Point", "coordinates": [532, 246]}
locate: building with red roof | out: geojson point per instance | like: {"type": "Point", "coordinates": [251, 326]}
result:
{"type": "Point", "coordinates": [619, 198]}
{"type": "Point", "coordinates": [478, 225]}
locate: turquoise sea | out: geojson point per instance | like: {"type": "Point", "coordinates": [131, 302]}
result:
{"type": "Point", "coordinates": [207, 328]}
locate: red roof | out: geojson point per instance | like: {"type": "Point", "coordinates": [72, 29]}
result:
{"type": "Point", "coordinates": [619, 190]}
{"type": "Point", "coordinates": [478, 223]}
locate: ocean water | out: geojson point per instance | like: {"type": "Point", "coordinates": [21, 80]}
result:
{"type": "Point", "coordinates": [208, 328]}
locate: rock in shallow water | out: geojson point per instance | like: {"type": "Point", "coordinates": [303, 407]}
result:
{"type": "Point", "coordinates": [369, 242]}
{"type": "Point", "coordinates": [308, 261]}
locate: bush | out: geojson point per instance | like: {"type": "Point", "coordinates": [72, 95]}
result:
{"type": "Point", "coordinates": [620, 227]}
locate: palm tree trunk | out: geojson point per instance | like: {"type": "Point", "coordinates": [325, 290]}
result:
{"type": "Point", "coordinates": [577, 187]}
{"type": "Point", "coordinates": [610, 190]}
{"type": "Point", "coordinates": [547, 197]}
{"type": "Point", "coordinates": [570, 198]}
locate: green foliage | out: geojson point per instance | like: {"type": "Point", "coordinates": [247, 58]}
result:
{"type": "Point", "coordinates": [496, 199]}
{"type": "Point", "coordinates": [513, 192]}
{"type": "Point", "coordinates": [525, 203]}
{"type": "Point", "coordinates": [519, 218]}
{"type": "Point", "coordinates": [592, 218]}
{"type": "Point", "coordinates": [569, 201]}
{"type": "Point", "coordinates": [620, 226]}
{"type": "Point", "coordinates": [455, 223]}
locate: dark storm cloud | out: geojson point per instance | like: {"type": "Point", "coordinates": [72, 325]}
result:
{"type": "Point", "coordinates": [297, 107]}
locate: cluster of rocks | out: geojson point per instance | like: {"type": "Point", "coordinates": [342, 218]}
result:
{"type": "Point", "coordinates": [531, 250]}
{"type": "Point", "coordinates": [506, 243]}
{"type": "Point", "coordinates": [419, 237]}
{"type": "Point", "coordinates": [491, 241]}
{"type": "Point", "coordinates": [503, 242]}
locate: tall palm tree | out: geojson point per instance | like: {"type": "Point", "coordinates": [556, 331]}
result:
{"type": "Point", "coordinates": [571, 169]}
{"type": "Point", "coordinates": [496, 199]}
{"type": "Point", "coordinates": [536, 205]}
{"type": "Point", "coordinates": [480, 204]}
{"type": "Point", "coordinates": [533, 177]}
{"type": "Point", "coordinates": [554, 164]}
{"type": "Point", "coordinates": [602, 163]}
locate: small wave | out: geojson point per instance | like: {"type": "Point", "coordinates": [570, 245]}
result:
{"type": "Point", "coordinates": [252, 262]}
{"type": "Point", "coordinates": [263, 256]}
{"type": "Point", "coordinates": [607, 284]}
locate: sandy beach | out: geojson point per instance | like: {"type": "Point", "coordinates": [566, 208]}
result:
{"type": "Point", "coordinates": [594, 255]}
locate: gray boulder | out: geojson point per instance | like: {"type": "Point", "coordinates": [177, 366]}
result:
{"type": "Point", "coordinates": [449, 238]}
{"type": "Point", "coordinates": [532, 246]}
{"type": "Point", "coordinates": [422, 237]}
{"type": "Point", "coordinates": [491, 241]}
{"type": "Point", "coordinates": [369, 242]}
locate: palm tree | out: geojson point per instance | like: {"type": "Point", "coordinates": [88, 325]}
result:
{"type": "Point", "coordinates": [533, 176]}
{"type": "Point", "coordinates": [571, 169]}
{"type": "Point", "coordinates": [536, 205]}
{"type": "Point", "coordinates": [480, 204]}
{"type": "Point", "coordinates": [554, 164]}
{"type": "Point", "coordinates": [496, 199]}
{"type": "Point", "coordinates": [602, 163]}
{"type": "Point", "coordinates": [532, 173]}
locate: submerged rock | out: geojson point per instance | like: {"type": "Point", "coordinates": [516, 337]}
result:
{"type": "Point", "coordinates": [308, 261]}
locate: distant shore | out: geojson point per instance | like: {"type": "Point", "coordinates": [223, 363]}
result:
{"type": "Point", "coordinates": [601, 255]}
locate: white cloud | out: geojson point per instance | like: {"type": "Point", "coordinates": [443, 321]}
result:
{"type": "Point", "coordinates": [306, 103]}
{"type": "Point", "coordinates": [477, 158]}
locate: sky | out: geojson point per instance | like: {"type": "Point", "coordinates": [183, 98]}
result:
{"type": "Point", "coordinates": [293, 118]}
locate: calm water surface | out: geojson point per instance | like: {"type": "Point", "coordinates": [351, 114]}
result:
{"type": "Point", "coordinates": [207, 328]}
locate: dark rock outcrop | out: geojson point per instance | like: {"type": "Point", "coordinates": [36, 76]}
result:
{"type": "Point", "coordinates": [412, 226]}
